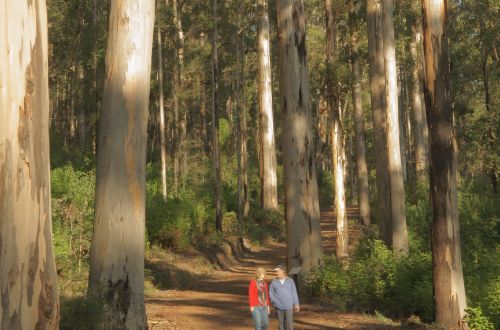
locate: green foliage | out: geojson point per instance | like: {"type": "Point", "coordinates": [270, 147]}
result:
{"type": "Point", "coordinates": [476, 320]}
{"type": "Point", "coordinates": [80, 313]}
{"type": "Point", "coordinates": [224, 131]}
{"type": "Point", "coordinates": [411, 293]}
{"type": "Point", "coordinates": [325, 189]}
{"type": "Point", "coordinates": [265, 224]}
{"type": "Point", "coordinates": [173, 223]}
{"type": "Point", "coordinates": [371, 274]}
{"type": "Point", "coordinates": [72, 211]}
{"type": "Point", "coordinates": [480, 236]}
{"type": "Point", "coordinates": [331, 281]}
{"type": "Point", "coordinates": [376, 281]}
{"type": "Point", "coordinates": [419, 219]}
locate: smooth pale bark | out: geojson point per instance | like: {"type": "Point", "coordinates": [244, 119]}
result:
{"type": "Point", "coordinates": [361, 167]}
{"type": "Point", "coordinates": [28, 279]}
{"type": "Point", "coordinates": [215, 121]}
{"type": "Point", "coordinates": [449, 291]}
{"type": "Point", "coordinates": [342, 238]}
{"type": "Point", "coordinates": [301, 189]}
{"type": "Point", "coordinates": [161, 114]}
{"type": "Point", "coordinates": [334, 109]}
{"type": "Point", "coordinates": [420, 131]}
{"type": "Point", "coordinates": [117, 250]}
{"type": "Point", "coordinates": [394, 167]}
{"type": "Point", "coordinates": [268, 180]}
{"type": "Point", "coordinates": [377, 88]}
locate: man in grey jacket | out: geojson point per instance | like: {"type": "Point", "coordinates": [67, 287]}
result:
{"type": "Point", "coordinates": [283, 295]}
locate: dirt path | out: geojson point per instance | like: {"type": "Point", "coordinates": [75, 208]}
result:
{"type": "Point", "coordinates": [220, 301]}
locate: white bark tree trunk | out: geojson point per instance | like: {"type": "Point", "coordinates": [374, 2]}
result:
{"type": "Point", "coordinates": [301, 189]}
{"type": "Point", "coordinates": [269, 181]}
{"type": "Point", "coordinates": [161, 114]}
{"type": "Point", "coordinates": [28, 279]}
{"type": "Point", "coordinates": [394, 166]}
{"type": "Point", "coordinates": [117, 251]}
{"type": "Point", "coordinates": [449, 290]}
{"type": "Point", "coordinates": [337, 139]}
{"type": "Point", "coordinates": [420, 130]}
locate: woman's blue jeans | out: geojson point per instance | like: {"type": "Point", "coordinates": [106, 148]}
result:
{"type": "Point", "coordinates": [260, 317]}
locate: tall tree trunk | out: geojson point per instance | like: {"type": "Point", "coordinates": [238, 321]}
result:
{"type": "Point", "coordinates": [28, 279]}
{"type": "Point", "coordinates": [361, 167]}
{"type": "Point", "coordinates": [175, 126]}
{"type": "Point", "coordinates": [400, 74]}
{"type": "Point", "coordinates": [244, 203]}
{"type": "Point", "coordinates": [377, 88]}
{"type": "Point", "coordinates": [242, 152]}
{"type": "Point", "coordinates": [215, 121]}
{"type": "Point", "coordinates": [301, 189]}
{"type": "Point", "coordinates": [117, 251]}
{"type": "Point", "coordinates": [161, 114]}
{"type": "Point", "coordinates": [322, 128]}
{"type": "Point", "coordinates": [337, 139]}
{"type": "Point", "coordinates": [420, 131]}
{"type": "Point", "coordinates": [396, 184]}
{"type": "Point", "coordinates": [182, 117]}
{"type": "Point", "coordinates": [268, 180]}
{"type": "Point", "coordinates": [449, 291]}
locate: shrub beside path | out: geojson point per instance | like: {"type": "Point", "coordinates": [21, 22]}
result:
{"type": "Point", "coordinates": [219, 299]}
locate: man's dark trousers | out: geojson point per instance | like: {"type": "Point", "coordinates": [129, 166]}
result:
{"type": "Point", "coordinates": [285, 319]}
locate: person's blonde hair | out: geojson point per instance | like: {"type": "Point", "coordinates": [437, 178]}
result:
{"type": "Point", "coordinates": [260, 271]}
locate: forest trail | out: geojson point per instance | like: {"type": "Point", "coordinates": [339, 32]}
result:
{"type": "Point", "coordinates": [219, 301]}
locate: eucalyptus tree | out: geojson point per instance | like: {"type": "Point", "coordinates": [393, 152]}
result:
{"type": "Point", "coordinates": [449, 289]}
{"type": "Point", "coordinates": [117, 250]}
{"type": "Point", "coordinates": [361, 167]}
{"type": "Point", "coordinates": [399, 234]}
{"type": "Point", "coordinates": [333, 10]}
{"type": "Point", "coordinates": [377, 89]}
{"type": "Point", "coordinates": [269, 182]}
{"type": "Point", "coordinates": [28, 278]}
{"type": "Point", "coordinates": [301, 189]}
{"type": "Point", "coordinates": [215, 120]}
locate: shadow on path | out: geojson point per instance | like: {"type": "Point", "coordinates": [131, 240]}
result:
{"type": "Point", "coordinates": [220, 301]}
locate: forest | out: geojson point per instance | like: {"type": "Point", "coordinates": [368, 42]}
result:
{"type": "Point", "coordinates": [154, 153]}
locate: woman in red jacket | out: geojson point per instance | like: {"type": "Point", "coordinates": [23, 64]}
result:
{"type": "Point", "coordinates": [258, 297]}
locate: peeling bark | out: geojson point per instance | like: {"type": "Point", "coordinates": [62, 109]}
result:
{"type": "Point", "coordinates": [301, 190]}
{"type": "Point", "coordinates": [449, 291]}
{"type": "Point", "coordinates": [117, 250]}
{"type": "Point", "coordinates": [269, 181]}
{"type": "Point", "coordinates": [394, 166]}
{"type": "Point", "coordinates": [332, 12]}
{"type": "Point", "coordinates": [28, 279]}
{"type": "Point", "coordinates": [420, 131]}
{"type": "Point", "coordinates": [161, 114]}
